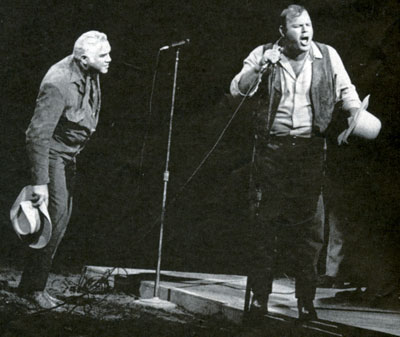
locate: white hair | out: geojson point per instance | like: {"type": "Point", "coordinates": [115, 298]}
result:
{"type": "Point", "coordinates": [86, 41]}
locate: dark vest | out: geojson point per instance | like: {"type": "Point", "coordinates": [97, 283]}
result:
{"type": "Point", "coordinates": [322, 95]}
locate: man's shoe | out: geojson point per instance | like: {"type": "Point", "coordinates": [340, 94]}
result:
{"type": "Point", "coordinates": [306, 310]}
{"type": "Point", "coordinates": [259, 307]}
{"type": "Point", "coordinates": [56, 301]}
{"type": "Point", "coordinates": [43, 300]}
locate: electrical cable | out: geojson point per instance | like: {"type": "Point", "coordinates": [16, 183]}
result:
{"type": "Point", "coordinates": [251, 87]}
{"type": "Point", "coordinates": [205, 158]}
{"type": "Point", "coordinates": [203, 161]}
{"type": "Point", "coordinates": [146, 134]}
{"type": "Point", "coordinates": [150, 112]}
{"type": "Point", "coordinates": [87, 288]}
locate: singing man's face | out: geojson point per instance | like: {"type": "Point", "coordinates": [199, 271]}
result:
{"type": "Point", "coordinates": [98, 57]}
{"type": "Point", "coordinates": [298, 32]}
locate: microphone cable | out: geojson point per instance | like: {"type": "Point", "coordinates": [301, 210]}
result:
{"type": "Point", "coordinates": [205, 158]}
{"type": "Point", "coordinates": [203, 161]}
{"type": "Point", "coordinates": [221, 135]}
{"type": "Point", "coordinates": [149, 115]}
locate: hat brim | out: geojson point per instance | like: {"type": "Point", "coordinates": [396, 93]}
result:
{"type": "Point", "coordinates": [354, 121]}
{"type": "Point", "coordinates": [40, 238]}
{"type": "Point", "coordinates": [352, 126]}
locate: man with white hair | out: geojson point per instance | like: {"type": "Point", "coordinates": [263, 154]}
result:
{"type": "Point", "coordinates": [65, 117]}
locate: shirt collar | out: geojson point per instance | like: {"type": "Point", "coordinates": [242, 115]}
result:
{"type": "Point", "coordinates": [315, 53]}
{"type": "Point", "coordinates": [77, 74]}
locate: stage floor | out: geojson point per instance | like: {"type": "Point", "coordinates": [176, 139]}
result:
{"type": "Point", "coordinates": [211, 294]}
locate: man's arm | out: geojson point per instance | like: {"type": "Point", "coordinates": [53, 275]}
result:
{"type": "Point", "coordinates": [49, 108]}
{"type": "Point", "coordinates": [346, 92]}
{"type": "Point", "coordinates": [249, 77]}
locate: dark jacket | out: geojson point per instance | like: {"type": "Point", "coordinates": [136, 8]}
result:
{"type": "Point", "coordinates": [66, 115]}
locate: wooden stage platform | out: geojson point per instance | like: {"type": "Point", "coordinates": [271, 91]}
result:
{"type": "Point", "coordinates": [339, 312]}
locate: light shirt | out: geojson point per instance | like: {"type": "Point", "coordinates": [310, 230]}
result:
{"type": "Point", "coordinates": [294, 114]}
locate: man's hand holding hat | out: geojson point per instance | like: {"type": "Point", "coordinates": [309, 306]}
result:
{"type": "Point", "coordinates": [40, 195]}
{"type": "Point", "coordinates": [30, 218]}
{"type": "Point", "coordinates": [362, 124]}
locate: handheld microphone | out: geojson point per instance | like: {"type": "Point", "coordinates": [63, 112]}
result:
{"type": "Point", "coordinates": [176, 44]}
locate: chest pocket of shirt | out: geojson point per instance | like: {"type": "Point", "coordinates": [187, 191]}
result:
{"type": "Point", "coordinates": [75, 115]}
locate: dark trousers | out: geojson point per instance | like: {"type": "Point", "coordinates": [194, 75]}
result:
{"type": "Point", "coordinates": [288, 171]}
{"type": "Point", "coordinates": [348, 202]}
{"type": "Point", "coordinates": [39, 261]}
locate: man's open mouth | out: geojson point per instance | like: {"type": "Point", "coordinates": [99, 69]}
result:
{"type": "Point", "coordinates": [304, 40]}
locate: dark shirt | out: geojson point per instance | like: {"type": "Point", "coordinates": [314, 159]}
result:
{"type": "Point", "coordinates": [66, 115]}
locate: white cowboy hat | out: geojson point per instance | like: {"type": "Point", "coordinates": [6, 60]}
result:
{"type": "Point", "coordinates": [32, 224]}
{"type": "Point", "coordinates": [363, 124]}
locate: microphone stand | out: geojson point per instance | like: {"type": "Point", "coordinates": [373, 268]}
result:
{"type": "Point", "coordinates": [166, 178]}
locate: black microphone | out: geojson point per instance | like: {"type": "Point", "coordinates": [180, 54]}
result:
{"type": "Point", "coordinates": [175, 44]}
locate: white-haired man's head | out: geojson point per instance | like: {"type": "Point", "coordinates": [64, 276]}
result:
{"type": "Point", "coordinates": [92, 51]}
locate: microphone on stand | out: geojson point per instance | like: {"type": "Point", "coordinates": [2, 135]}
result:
{"type": "Point", "coordinates": [176, 44]}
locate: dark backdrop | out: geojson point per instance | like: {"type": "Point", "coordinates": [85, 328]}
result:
{"type": "Point", "coordinates": [116, 203]}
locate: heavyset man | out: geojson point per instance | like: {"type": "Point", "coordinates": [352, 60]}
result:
{"type": "Point", "coordinates": [297, 83]}
{"type": "Point", "coordinates": [66, 115]}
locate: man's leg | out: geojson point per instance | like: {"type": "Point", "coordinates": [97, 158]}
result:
{"type": "Point", "coordinates": [335, 251]}
{"type": "Point", "coordinates": [308, 246]}
{"type": "Point", "coordinates": [304, 219]}
{"type": "Point", "coordinates": [260, 275]}
{"type": "Point", "coordinates": [269, 178]}
{"type": "Point", "coordinates": [39, 261]}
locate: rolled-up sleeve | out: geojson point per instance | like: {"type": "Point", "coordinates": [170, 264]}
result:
{"type": "Point", "coordinates": [49, 108]}
{"type": "Point", "coordinates": [346, 92]}
{"type": "Point", "coordinates": [252, 61]}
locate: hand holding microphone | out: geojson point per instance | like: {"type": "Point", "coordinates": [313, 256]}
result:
{"type": "Point", "coordinates": [270, 56]}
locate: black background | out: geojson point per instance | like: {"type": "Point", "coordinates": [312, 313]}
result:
{"type": "Point", "coordinates": [115, 213]}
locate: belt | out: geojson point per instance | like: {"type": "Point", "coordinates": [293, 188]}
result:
{"type": "Point", "coordinates": [291, 140]}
